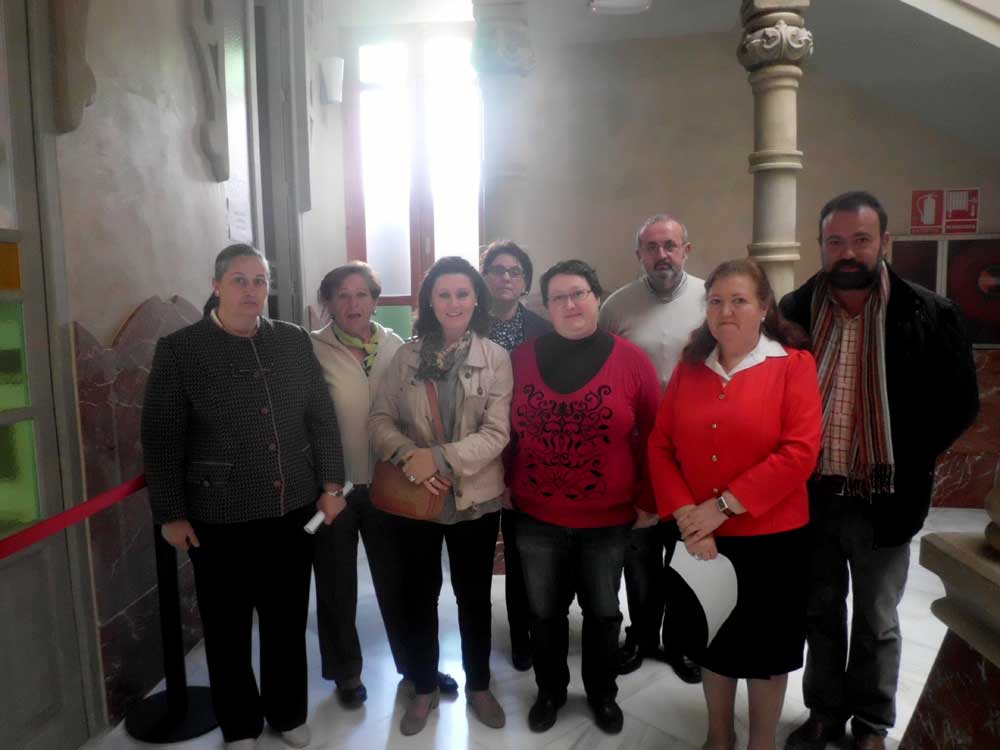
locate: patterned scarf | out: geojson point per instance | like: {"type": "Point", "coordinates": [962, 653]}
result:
{"type": "Point", "coordinates": [870, 456]}
{"type": "Point", "coordinates": [436, 359]}
{"type": "Point", "coordinates": [370, 347]}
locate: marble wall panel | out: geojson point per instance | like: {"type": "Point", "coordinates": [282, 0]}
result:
{"type": "Point", "coordinates": [110, 385]}
{"type": "Point", "coordinates": [958, 707]}
{"type": "Point", "coordinates": [968, 470]}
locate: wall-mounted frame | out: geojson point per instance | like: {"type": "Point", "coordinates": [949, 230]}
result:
{"type": "Point", "coordinates": [964, 268]}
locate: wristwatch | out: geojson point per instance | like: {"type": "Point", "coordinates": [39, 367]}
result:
{"type": "Point", "coordinates": [722, 505]}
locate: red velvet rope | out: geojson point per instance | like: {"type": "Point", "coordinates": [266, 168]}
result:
{"type": "Point", "coordinates": [44, 529]}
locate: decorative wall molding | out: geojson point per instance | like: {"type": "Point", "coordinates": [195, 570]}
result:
{"type": "Point", "coordinates": [780, 44]}
{"type": "Point", "coordinates": [73, 82]}
{"type": "Point", "coordinates": [207, 32]}
{"type": "Point", "coordinates": [503, 46]}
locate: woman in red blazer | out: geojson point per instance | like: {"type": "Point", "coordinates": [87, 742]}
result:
{"type": "Point", "coordinates": [736, 437]}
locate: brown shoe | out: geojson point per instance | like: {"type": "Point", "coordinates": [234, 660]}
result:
{"type": "Point", "coordinates": [486, 708]}
{"type": "Point", "coordinates": [869, 741]}
{"type": "Point", "coordinates": [415, 717]}
{"type": "Point", "coordinates": [814, 734]}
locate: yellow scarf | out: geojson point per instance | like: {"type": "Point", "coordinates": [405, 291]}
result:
{"type": "Point", "coordinates": [370, 347]}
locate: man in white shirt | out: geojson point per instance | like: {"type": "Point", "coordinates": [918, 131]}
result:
{"type": "Point", "coordinates": [657, 312]}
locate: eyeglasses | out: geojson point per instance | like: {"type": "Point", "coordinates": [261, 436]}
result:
{"type": "Point", "coordinates": [499, 271]}
{"type": "Point", "coordinates": [653, 248]}
{"type": "Point", "coordinates": [578, 296]}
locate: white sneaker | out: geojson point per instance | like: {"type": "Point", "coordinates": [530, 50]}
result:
{"type": "Point", "coordinates": [248, 744]}
{"type": "Point", "coordinates": [298, 737]}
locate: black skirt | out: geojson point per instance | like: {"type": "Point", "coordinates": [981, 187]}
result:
{"type": "Point", "coordinates": [765, 634]}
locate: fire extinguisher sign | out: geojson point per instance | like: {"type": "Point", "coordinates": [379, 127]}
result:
{"type": "Point", "coordinates": [954, 211]}
{"type": "Point", "coordinates": [927, 212]}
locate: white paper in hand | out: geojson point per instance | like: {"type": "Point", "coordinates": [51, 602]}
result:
{"type": "Point", "coordinates": [713, 582]}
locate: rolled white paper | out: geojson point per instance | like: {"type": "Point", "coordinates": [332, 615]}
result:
{"type": "Point", "coordinates": [317, 520]}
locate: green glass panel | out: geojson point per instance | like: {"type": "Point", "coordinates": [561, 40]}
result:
{"type": "Point", "coordinates": [397, 317]}
{"type": "Point", "coordinates": [18, 477]}
{"type": "Point", "coordinates": [13, 378]}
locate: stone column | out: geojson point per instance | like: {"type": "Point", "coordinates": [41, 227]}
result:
{"type": "Point", "coordinates": [503, 56]}
{"type": "Point", "coordinates": [775, 42]}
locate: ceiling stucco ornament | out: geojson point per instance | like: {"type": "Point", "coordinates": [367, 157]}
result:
{"type": "Point", "coordinates": [206, 25]}
{"type": "Point", "coordinates": [780, 44]}
{"type": "Point", "coordinates": [73, 82]}
{"type": "Point", "coordinates": [503, 45]}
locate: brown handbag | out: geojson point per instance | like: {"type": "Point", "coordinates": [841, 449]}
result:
{"type": "Point", "coordinates": [392, 492]}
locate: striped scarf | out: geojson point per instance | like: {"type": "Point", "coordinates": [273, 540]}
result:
{"type": "Point", "coordinates": [870, 456]}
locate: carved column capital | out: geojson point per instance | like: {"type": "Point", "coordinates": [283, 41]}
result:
{"type": "Point", "coordinates": [503, 42]}
{"type": "Point", "coordinates": [780, 44]}
{"type": "Point", "coordinates": [503, 45]}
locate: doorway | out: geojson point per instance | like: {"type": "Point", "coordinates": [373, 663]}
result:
{"type": "Point", "coordinates": [42, 704]}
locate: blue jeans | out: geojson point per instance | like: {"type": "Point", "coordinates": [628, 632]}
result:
{"type": "Point", "coordinates": [555, 559]}
{"type": "Point", "coordinates": [861, 683]}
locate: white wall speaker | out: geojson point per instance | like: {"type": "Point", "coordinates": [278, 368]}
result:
{"type": "Point", "coordinates": [332, 73]}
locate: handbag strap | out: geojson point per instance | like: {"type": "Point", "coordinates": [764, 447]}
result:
{"type": "Point", "coordinates": [432, 399]}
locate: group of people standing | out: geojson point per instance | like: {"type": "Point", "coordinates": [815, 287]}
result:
{"type": "Point", "coordinates": [680, 411]}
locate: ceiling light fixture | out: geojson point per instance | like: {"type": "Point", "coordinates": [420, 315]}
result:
{"type": "Point", "coordinates": [619, 7]}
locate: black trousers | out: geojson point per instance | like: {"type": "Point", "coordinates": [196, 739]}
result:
{"type": "Point", "coordinates": [518, 612]}
{"type": "Point", "coordinates": [336, 566]}
{"type": "Point", "coordinates": [416, 567]}
{"type": "Point", "coordinates": [263, 566]}
{"type": "Point", "coordinates": [649, 580]}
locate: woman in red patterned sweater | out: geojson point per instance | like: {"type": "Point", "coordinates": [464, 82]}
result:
{"type": "Point", "coordinates": [736, 438]}
{"type": "Point", "coordinates": [584, 403]}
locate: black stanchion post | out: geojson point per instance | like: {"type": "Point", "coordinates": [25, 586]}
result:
{"type": "Point", "coordinates": [179, 712]}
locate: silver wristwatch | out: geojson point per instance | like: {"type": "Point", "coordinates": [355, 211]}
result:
{"type": "Point", "coordinates": [722, 505]}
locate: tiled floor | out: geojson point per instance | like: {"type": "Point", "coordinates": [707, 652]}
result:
{"type": "Point", "coordinates": [660, 711]}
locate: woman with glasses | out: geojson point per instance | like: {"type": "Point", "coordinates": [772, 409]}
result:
{"type": "Point", "coordinates": [584, 403]}
{"type": "Point", "coordinates": [508, 270]}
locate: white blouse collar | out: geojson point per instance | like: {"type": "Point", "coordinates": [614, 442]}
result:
{"type": "Point", "coordinates": [765, 348]}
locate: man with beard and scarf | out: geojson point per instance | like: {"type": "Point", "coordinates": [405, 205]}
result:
{"type": "Point", "coordinates": [899, 386]}
{"type": "Point", "coordinates": [657, 312]}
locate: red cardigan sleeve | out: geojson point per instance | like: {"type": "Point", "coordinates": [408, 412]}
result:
{"type": "Point", "coordinates": [794, 459]}
{"type": "Point", "coordinates": [647, 398]}
{"type": "Point", "coordinates": [671, 491]}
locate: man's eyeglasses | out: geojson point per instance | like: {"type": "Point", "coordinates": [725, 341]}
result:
{"type": "Point", "coordinates": [653, 248]}
{"type": "Point", "coordinates": [578, 296]}
{"type": "Point", "coordinates": [498, 272]}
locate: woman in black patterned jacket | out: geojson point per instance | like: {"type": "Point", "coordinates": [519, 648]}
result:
{"type": "Point", "coordinates": [240, 438]}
